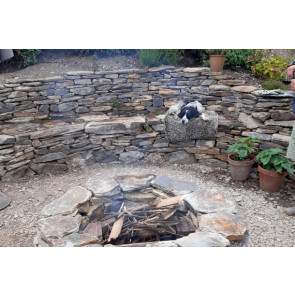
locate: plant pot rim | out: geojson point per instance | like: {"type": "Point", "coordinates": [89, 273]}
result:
{"type": "Point", "coordinates": [271, 173]}
{"type": "Point", "coordinates": [250, 155]}
{"type": "Point", "coordinates": [217, 54]}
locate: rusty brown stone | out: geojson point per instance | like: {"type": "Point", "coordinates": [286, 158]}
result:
{"type": "Point", "coordinates": [228, 225]}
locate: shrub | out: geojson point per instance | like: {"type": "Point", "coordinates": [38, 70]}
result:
{"type": "Point", "coordinates": [156, 57]}
{"type": "Point", "coordinates": [28, 56]}
{"type": "Point", "coordinates": [242, 148]}
{"type": "Point", "coordinates": [272, 160]}
{"type": "Point", "coordinates": [238, 58]}
{"type": "Point", "coordinates": [219, 51]}
{"type": "Point", "coordinates": [270, 68]}
{"type": "Point", "coordinates": [274, 84]}
{"type": "Point", "coordinates": [104, 52]}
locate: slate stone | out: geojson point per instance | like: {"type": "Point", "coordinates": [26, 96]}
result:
{"type": "Point", "coordinates": [181, 157]}
{"type": "Point", "coordinates": [48, 168]}
{"type": "Point", "coordinates": [139, 197]}
{"type": "Point", "coordinates": [4, 201]}
{"type": "Point", "coordinates": [83, 90]}
{"type": "Point", "coordinates": [75, 240]}
{"type": "Point", "coordinates": [158, 102]}
{"type": "Point", "coordinates": [209, 202]}
{"type": "Point", "coordinates": [196, 128]}
{"type": "Point", "coordinates": [58, 226]}
{"type": "Point", "coordinates": [107, 187]}
{"type": "Point", "coordinates": [249, 121]}
{"type": "Point", "coordinates": [203, 239]}
{"type": "Point", "coordinates": [245, 89]}
{"type": "Point", "coordinates": [50, 157]}
{"type": "Point", "coordinates": [279, 123]}
{"type": "Point", "coordinates": [6, 139]}
{"type": "Point", "coordinates": [129, 183]}
{"type": "Point", "coordinates": [132, 156]}
{"type": "Point", "coordinates": [173, 186]}
{"type": "Point", "coordinates": [228, 225]}
{"type": "Point", "coordinates": [69, 202]}
{"type": "Point", "coordinates": [261, 116]}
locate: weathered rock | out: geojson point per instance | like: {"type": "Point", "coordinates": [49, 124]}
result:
{"type": "Point", "coordinates": [4, 200]}
{"type": "Point", "coordinates": [206, 201]}
{"type": "Point", "coordinates": [173, 186]}
{"type": "Point", "coordinates": [203, 239]}
{"type": "Point", "coordinates": [6, 139]}
{"type": "Point", "coordinates": [132, 156]}
{"type": "Point", "coordinates": [107, 187]}
{"type": "Point", "coordinates": [261, 136]}
{"type": "Point", "coordinates": [279, 123]}
{"type": "Point", "coordinates": [58, 226]}
{"type": "Point", "coordinates": [249, 121]}
{"type": "Point", "coordinates": [139, 197]}
{"type": "Point", "coordinates": [69, 202]}
{"type": "Point", "coordinates": [281, 139]}
{"type": "Point", "coordinates": [282, 116]}
{"type": "Point", "coordinates": [50, 157]}
{"type": "Point", "coordinates": [228, 225]}
{"type": "Point", "coordinates": [196, 128]}
{"type": "Point", "coordinates": [83, 90]}
{"type": "Point", "coordinates": [232, 82]}
{"type": "Point", "coordinates": [48, 168]}
{"type": "Point", "coordinates": [261, 116]}
{"type": "Point", "coordinates": [246, 89]}
{"type": "Point", "coordinates": [181, 157]}
{"type": "Point", "coordinates": [75, 240]}
{"type": "Point", "coordinates": [80, 160]}
{"type": "Point", "coordinates": [196, 70]}
{"type": "Point", "coordinates": [129, 183]}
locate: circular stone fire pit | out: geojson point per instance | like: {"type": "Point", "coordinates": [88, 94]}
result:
{"type": "Point", "coordinates": [146, 211]}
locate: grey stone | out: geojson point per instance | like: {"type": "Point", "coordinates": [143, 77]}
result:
{"type": "Point", "coordinates": [80, 160]}
{"type": "Point", "coordinates": [203, 239]}
{"type": "Point", "coordinates": [58, 226]}
{"type": "Point", "coordinates": [261, 136]}
{"type": "Point", "coordinates": [132, 156]}
{"type": "Point", "coordinates": [181, 157]}
{"type": "Point", "coordinates": [249, 121]}
{"type": "Point", "coordinates": [4, 200]}
{"type": "Point", "coordinates": [106, 187]}
{"type": "Point", "coordinates": [6, 139]}
{"type": "Point", "coordinates": [279, 138]}
{"type": "Point", "coordinates": [279, 123]}
{"type": "Point", "coordinates": [261, 116]}
{"type": "Point", "coordinates": [173, 186]}
{"type": "Point", "coordinates": [66, 107]}
{"type": "Point", "coordinates": [196, 128]}
{"type": "Point", "coordinates": [206, 201]}
{"type": "Point", "coordinates": [83, 90]}
{"type": "Point", "coordinates": [158, 101]}
{"type": "Point", "coordinates": [50, 157]}
{"type": "Point", "coordinates": [129, 183]}
{"type": "Point", "coordinates": [48, 168]}
{"type": "Point", "coordinates": [69, 202]}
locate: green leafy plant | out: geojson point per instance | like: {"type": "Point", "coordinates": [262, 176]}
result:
{"type": "Point", "coordinates": [238, 58]}
{"type": "Point", "coordinates": [272, 160]}
{"type": "Point", "coordinates": [270, 68]}
{"type": "Point", "coordinates": [219, 51]}
{"type": "Point", "coordinates": [28, 56]}
{"type": "Point", "coordinates": [274, 84]}
{"type": "Point", "coordinates": [147, 128]}
{"type": "Point", "coordinates": [117, 103]}
{"type": "Point", "coordinates": [156, 57]}
{"type": "Point", "coordinates": [243, 148]}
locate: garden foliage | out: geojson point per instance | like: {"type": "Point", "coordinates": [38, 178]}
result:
{"type": "Point", "coordinates": [243, 148]}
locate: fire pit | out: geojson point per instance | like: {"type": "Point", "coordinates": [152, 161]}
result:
{"type": "Point", "coordinates": [141, 211]}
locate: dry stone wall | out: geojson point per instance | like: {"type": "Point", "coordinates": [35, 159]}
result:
{"type": "Point", "coordinates": [52, 124]}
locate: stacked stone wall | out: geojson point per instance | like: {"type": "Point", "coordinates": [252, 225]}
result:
{"type": "Point", "coordinates": [34, 137]}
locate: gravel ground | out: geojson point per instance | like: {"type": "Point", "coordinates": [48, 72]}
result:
{"type": "Point", "coordinates": [270, 226]}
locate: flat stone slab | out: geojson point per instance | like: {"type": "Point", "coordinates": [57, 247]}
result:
{"type": "Point", "coordinates": [196, 128]}
{"type": "Point", "coordinates": [132, 156]}
{"type": "Point", "coordinates": [209, 202]}
{"type": "Point", "coordinates": [173, 186]}
{"type": "Point", "coordinates": [75, 240]}
{"type": "Point", "coordinates": [203, 239]}
{"type": "Point", "coordinates": [69, 202]}
{"type": "Point", "coordinates": [129, 183]}
{"type": "Point", "coordinates": [58, 226]}
{"type": "Point", "coordinates": [139, 197]}
{"type": "Point", "coordinates": [228, 225]}
{"type": "Point", "coordinates": [116, 125]}
{"type": "Point", "coordinates": [107, 187]}
{"type": "Point", "coordinates": [4, 201]}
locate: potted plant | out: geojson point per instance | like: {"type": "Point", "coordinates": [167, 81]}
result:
{"type": "Point", "coordinates": [241, 158]}
{"type": "Point", "coordinates": [272, 167]}
{"type": "Point", "coordinates": [217, 59]}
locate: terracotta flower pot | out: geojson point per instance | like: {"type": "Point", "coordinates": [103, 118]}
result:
{"type": "Point", "coordinates": [270, 181]}
{"type": "Point", "coordinates": [240, 170]}
{"type": "Point", "coordinates": [217, 62]}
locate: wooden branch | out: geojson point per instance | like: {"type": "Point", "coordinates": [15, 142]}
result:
{"type": "Point", "coordinates": [169, 202]}
{"type": "Point", "coordinates": [116, 230]}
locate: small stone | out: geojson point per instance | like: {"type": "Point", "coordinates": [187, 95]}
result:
{"type": "Point", "coordinates": [245, 89]}
{"type": "Point", "coordinates": [69, 202]}
{"type": "Point", "coordinates": [228, 225]}
{"type": "Point", "coordinates": [196, 70]}
{"type": "Point", "coordinates": [132, 156]}
{"type": "Point", "coordinates": [261, 116]}
{"type": "Point", "coordinates": [203, 239]}
{"type": "Point", "coordinates": [249, 121]}
{"type": "Point", "coordinates": [129, 183]}
{"type": "Point", "coordinates": [107, 187]}
{"type": "Point", "coordinates": [173, 186]}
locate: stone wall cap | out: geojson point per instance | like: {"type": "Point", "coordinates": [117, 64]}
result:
{"type": "Point", "coordinates": [196, 70]}
{"type": "Point", "coordinates": [161, 68]}
{"type": "Point", "coordinates": [78, 73]}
